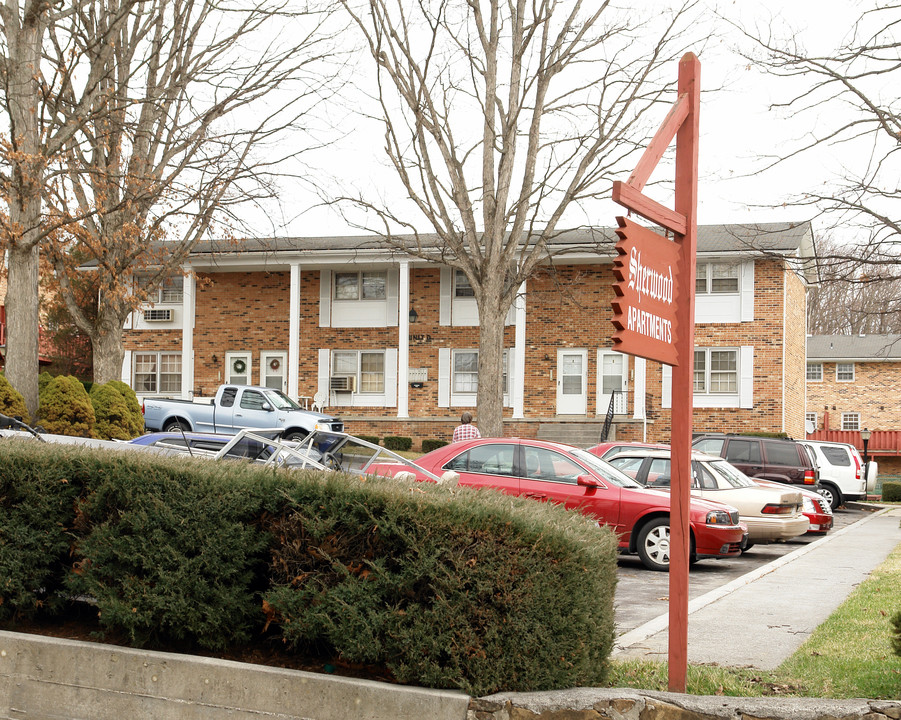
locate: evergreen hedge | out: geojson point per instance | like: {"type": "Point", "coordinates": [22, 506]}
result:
{"type": "Point", "coordinates": [430, 444]}
{"type": "Point", "coordinates": [11, 401]}
{"type": "Point", "coordinates": [891, 491]}
{"type": "Point", "coordinates": [398, 443]}
{"type": "Point", "coordinates": [447, 587]}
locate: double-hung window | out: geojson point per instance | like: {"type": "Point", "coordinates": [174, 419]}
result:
{"type": "Point", "coordinates": [462, 286]}
{"type": "Point", "coordinates": [815, 371]}
{"type": "Point", "coordinates": [365, 285]}
{"type": "Point", "coordinates": [850, 421]}
{"type": "Point", "coordinates": [844, 372]}
{"type": "Point", "coordinates": [717, 278]}
{"type": "Point", "coordinates": [466, 371]}
{"type": "Point", "coordinates": [366, 366]}
{"type": "Point", "coordinates": [157, 372]}
{"type": "Point", "coordinates": [716, 371]}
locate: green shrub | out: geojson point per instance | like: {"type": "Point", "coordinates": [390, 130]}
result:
{"type": "Point", "coordinates": [430, 444]}
{"type": "Point", "coordinates": [374, 439]}
{"type": "Point", "coordinates": [37, 507]}
{"type": "Point", "coordinates": [43, 381]}
{"type": "Point", "coordinates": [896, 633]}
{"type": "Point", "coordinates": [448, 588]}
{"type": "Point", "coordinates": [66, 408]}
{"type": "Point", "coordinates": [11, 401]}
{"type": "Point", "coordinates": [398, 443]}
{"type": "Point", "coordinates": [891, 491]}
{"type": "Point", "coordinates": [117, 411]}
{"type": "Point", "coordinates": [172, 549]}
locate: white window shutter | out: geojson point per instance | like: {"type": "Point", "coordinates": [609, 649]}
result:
{"type": "Point", "coordinates": [391, 377]}
{"type": "Point", "coordinates": [325, 298]}
{"type": "Point", "coordinates": [444, 361]}
{"type": "Point", "coordinates": [511, 382]}
{"type": "Point", "coordinates": [323, 373]}
{"type": "Point", "coordinates": [392, 291]}
{"type": "Point", "coordinates": [444, 304]}
{"type": "Point", "coordinates": [747, 291]}
{"type": "Point", "coordinates": [746, 379]}
{"type": "Point", "coordinates": [126, 369]}
{"type": "Point", "coordinates": [666, 390]}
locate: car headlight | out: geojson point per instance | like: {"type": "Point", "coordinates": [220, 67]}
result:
{"type": "Point", "coordinates": [719, 517]}
{"type": "Point", "coordinates": [323, 426]}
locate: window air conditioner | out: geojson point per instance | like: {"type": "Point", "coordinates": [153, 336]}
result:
{"type": "Point", "coordinates": [158, 315]}
{"type": "Point", "coordinates": [343, 383]}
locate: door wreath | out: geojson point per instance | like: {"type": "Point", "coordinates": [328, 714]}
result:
{"type": "Point", "coordinates": [239, 366]}
{"type": "Point", "coordinates": [274, 364]}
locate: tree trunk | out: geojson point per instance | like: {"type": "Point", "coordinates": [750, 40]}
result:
{"type": "Point", "coordinates": [106, 342]}
{"type": "Point", "coordinates": [23, 320]}
{"type": "Point", "coordinates": [490, 396]}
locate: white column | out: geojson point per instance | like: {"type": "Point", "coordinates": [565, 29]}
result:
{"type": "Point", "coordinates": [294, 332]}
{"type": "Point", "coordinates": [403, 341]}
{"type": "Point", "coordinates": [189, 286]}
{"type": "Point", "coordinates": [519, 354]}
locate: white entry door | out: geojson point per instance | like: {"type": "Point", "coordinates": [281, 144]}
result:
{"type": "Point", "coordinates": [272, 370]}
{"type": "Point", "coordinates": [613, 375]}
{"type": "Point", "coordinates": [572, 394]}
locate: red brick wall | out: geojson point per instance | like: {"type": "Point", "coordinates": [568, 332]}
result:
{"type": "Point", "coordinates": [873, 394]}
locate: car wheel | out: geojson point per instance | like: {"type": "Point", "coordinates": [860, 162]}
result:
{"type": "Point", "coordinates": [654, 544]}
{"type": "Point", "coordinates": [831, 494]}
{"type": "Point", "coordinates": [176, 426]}
{"type": "Point", "coordinates": [295, 436]}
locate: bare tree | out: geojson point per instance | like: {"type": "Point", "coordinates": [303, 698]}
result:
{"type": "Point", "coordinates": [849, 102]}
{"type": "Point", "coordinates": [34, 136]}
{"type": "Point", "coordinates": [501, 119]}
{"type": "Point", "coordinates": [192, 119]}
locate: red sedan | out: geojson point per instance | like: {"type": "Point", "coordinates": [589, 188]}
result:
{"type": "Point", "coordinates": [577, 479]}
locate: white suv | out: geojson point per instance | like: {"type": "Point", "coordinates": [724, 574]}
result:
{"type": "Point", "coordinates": [842, 475]}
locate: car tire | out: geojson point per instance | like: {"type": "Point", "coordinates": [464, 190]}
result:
{"type": "Point", "coordinates": [654, 544]}
{"type": "Point", "coordinates": [832, 495]}
{"type": "Point", "coordinates": [295, 436]}
{"type": "Point", "coordinates": [176, 426]}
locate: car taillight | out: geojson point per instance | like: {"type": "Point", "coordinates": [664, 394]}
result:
{"type": "Point", "coordinates": [142, 407]}
{"type": "Point", "coordinates": [809, 477]}
{"type": "Point", "coordinates": [857, 473]}
{"type": "Point", "coordinates": [773, 509]}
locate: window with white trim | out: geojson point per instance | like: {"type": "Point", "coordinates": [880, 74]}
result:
{"type": "Point", "coordinates": [465, 371]}
{"type": "Point", "coordinates": [716, 371]}
{"type": "Point", "coordinates": [367, 366]}
{"type": "Point", "coordinates": [156, 372]}
{"type": "Point", "coordinates": [170, 292]}
{"type": "Point", "coordinates": [844, 372]}
{"type": "Point", "coordinates": [364, 285]}
{"type": "Point", "coordinates": [815, 371]}
{"type": "Point", "coordinates": [811, 417]}
{"type": "Point", "coordinates": [462, 286]}
{"type": "Point", "coordinates": [850, 421]}
{"type": "Point", "coordinates": [717, 278]}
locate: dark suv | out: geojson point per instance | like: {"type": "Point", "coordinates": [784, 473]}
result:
{"type": "Point", "coordinates": [784, 461]}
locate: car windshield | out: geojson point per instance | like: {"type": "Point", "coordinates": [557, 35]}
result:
{"type": "Point", "coordinates": [730, 473]}
{"type": "Point", "coordinates": [604, 469]}
{"type": "Point", "coordinates": [280, 401]}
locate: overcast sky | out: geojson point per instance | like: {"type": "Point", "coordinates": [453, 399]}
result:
{"type": "Point", "coordinates": [737, 125]}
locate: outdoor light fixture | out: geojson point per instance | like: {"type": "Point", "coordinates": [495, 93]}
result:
{"type": "Point", "coordinates": [414, 316]}
{"type": "Point", "coordinates": [865, 436]}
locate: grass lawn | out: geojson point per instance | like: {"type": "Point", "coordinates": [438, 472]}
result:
{"type": "Point", "coordinates": [848, 656]}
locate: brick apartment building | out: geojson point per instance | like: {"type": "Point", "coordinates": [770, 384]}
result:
{"type": "Point", "coordinates": [390, 342]}
{"type": "Point", "coordinates": [852, 385]}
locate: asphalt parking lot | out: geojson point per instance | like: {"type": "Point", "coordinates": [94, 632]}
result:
{"type": "Point", "coordinates": [642, 595]}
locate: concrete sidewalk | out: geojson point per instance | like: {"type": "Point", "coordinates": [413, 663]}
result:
{"type": "Point", "coordinates": [761, 618]}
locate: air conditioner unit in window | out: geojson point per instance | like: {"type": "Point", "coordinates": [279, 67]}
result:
{"type": "Point", "coordinates": [343, 383]}
{"type": "Point", "coordinates": [158, 315]}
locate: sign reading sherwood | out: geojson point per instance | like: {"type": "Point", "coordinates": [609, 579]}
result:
{"type": "Point", "coordinates": [646, 269]}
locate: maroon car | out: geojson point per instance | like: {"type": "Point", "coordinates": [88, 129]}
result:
{"type": "Point", "coordinates": [577, 479]}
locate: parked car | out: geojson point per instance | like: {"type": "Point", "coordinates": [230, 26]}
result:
{"type": "Point", "coordinates": [573, 477]}
{"type": "Point", "coordinates": [815, 509]}
{"type": "Point", "coordinates": [842, 475]}
{"type": "Point", "coordinates": [785, 461]}
{"type": "Point", "coordinates": [236, 408]}
{"type": "Point", "coordinates": [607, 450]}
{"type": "Point", "coordinates": [771, 513]}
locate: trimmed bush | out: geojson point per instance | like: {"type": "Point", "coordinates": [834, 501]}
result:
{"type": "Point", "coordinates": [37, 501]}
{"type": "Point", "coordinates": [430, 444]}
{"type": "Point", "coordinates": [43, 381]}
{"type": "Point", "coordinates": [374, 439]}
{"type": "Point", "coordinates": [398, 443]}
{"type": "Point", "coordinates": [66, 408]}
{"type": "Point", "coordinates": [891, 491]}
{"type": "Point", "coordinates": [11, 401]}
{"type": "Point", "coordinates": [448, 588]}
{"type": "Point", "coordinates": [117, 411]}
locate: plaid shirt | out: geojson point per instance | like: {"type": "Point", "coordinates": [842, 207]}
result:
{"type": "Point", "coordinates": [466, 432]}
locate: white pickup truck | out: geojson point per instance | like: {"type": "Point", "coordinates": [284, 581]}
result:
{"type": "Point", "coordinates": [236, 408]}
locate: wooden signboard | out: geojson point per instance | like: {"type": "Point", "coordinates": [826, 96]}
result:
{"type": "Point", "coordinates": [644, 312]}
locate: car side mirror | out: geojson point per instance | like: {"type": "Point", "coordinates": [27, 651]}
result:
{"type": "Point", "coordinates": [267, 407]}
{"type": "Point", "coordinates": [588, 481]}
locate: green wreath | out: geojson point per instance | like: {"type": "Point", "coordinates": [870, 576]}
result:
{"type": "Point", "coordinates": [239, 366]}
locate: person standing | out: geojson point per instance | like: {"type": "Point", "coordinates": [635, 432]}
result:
{"type": "Point", "coordinates": [466, 430]}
